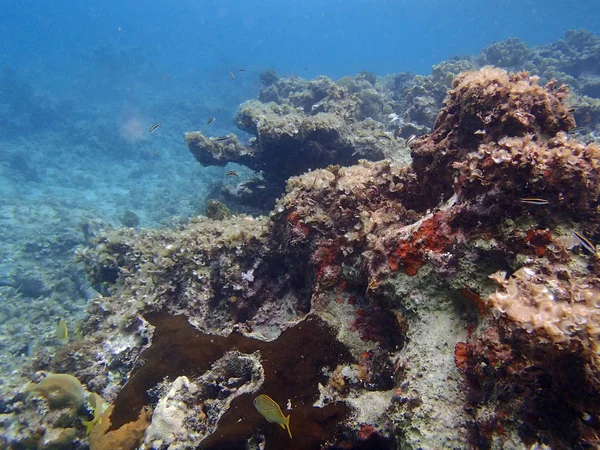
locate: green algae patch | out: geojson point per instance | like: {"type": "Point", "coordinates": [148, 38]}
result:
{"type": "Point", "coordinates": [294, 365]}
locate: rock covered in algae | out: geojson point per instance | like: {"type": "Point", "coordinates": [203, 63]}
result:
{"type": "Point", "coordinates": [61, 390]}
{"type": "Point", "coordinates": [449, 251]}
{"type": "Point", "coordinates": [300, 125]}
{"type": "Point", "coordinates": [394, 262]}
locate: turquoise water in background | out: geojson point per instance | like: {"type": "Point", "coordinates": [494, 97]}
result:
{"type": "Point", "coordinates": [82, 82]}
{"type": "Point", "coordinates": [334, 37]}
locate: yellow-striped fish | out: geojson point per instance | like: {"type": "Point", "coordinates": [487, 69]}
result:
{"type": "Point", "coordinates": [99, 407]}
{"type": "Point", "coordinates": [586, 243]}
{"type": "Point", "coordinates": [62, 332]}
{"type": "Point", "coordinates": [272, 412]}
{"type": "Point", "coordinates": [534, 201]}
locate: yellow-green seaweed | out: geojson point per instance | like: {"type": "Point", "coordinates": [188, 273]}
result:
{"type": "Point", "coordinates": [61, 390]}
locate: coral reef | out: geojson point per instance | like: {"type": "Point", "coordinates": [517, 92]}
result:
{"type": "Point", "coordinates": [375, 253]}
{"type": "Point", "coordinates": [301, 125]}
{"type": "Point", "coordinates": [216, 210]}
{"type": "Point", "coordinates": [424, 96]}
{"type": "Point", "coordinates": [441, 303]}
{"type": "Point", "coordinates": [490, 106]}
{"type": "Point", "coordinates": [127, 437]}
{"type": "Point", "coordinates": [210, 403]}
{"type": "Point", "coordinates": [509, 53]}
{"type": "Point", "coordinates": [129, 219]}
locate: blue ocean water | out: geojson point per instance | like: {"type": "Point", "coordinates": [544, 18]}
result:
{"type": "Point", "coordinates": [82, 82]}
{"type": "Point", "coordinates": [335, 38]}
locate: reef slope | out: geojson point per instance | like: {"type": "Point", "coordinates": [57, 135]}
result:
{"type": "Point", "coordinates": [461, 308]}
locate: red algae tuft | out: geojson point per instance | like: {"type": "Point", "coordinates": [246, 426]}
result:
{"type": "Point", "coordinates": [476, 299]}
{"type": "Point", "coordinates": [539, 239]}
{"type": "Point", "coordinates": [463, 352]}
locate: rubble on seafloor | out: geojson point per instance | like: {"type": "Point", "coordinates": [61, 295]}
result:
{"type": "Point", "coordinates": [382, 305]}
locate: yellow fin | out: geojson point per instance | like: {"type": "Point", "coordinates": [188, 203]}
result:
{"type": "Point", "coordinates": [99, 406]}
{"type": "Point", "coordinates": [88, 424]}
{"type": "Point", "coordinates": [287, 425]}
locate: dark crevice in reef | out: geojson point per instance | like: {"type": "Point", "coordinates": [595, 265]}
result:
{"type": "Point", "coordinates": [293, 366]}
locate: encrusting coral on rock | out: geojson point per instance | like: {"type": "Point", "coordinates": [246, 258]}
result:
{"type": "Point", "coordinates": [449, 303]}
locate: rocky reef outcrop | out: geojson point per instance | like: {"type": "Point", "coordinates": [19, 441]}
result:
{"type": "Point", "coordinates": [298, 125]}
{"type": "Point", "coordinates": [446, 302]}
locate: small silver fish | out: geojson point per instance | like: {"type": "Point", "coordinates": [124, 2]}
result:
{"type": "Point", "coordinates": [577, 129]}
{"type": "Point", "coordinates": [586, 243]}
{"type": "Point", "coordinates": [155, 126]}
{"type": "Point", "coordinates": [211, 120]}
{"type": "Point", "coordinates": [410, 139]}
{"type": "Point", "coordinates": [223, 138]}
{"type": "Point", "coordinates": [534, 201]}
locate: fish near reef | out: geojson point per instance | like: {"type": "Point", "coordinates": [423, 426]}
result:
{"type": "Point", "coordinates": [586, 243]}
{"type": "Point", "coordinates": [272, 412]}
{"type": "Point", "coordinates": [62, 331]}
{"type": "Point", "coordinates": [191, 352]}
{"type": "Point", "coordinates": [99, 407]}
{"type": "Point", "coordinates": [534, 201]}
{"type": "Point", "coordinates": [155, 126]}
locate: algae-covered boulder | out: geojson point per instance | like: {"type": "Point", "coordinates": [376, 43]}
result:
{"type": "Point", "coordinates": [300, 125]}
{"type": "Point", "coordinates": [61, 390]}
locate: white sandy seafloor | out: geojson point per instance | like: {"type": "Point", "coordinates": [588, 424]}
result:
{"type": "Point", "coordinates": [60, 184]}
